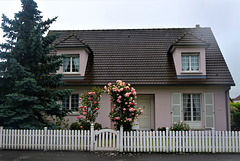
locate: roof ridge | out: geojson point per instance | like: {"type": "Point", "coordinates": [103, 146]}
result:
{"type": "Point", "coordinates": [132, 29]}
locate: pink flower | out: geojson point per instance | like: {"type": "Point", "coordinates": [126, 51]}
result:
{"type": "Point", "coordinates": [81, 127]}
{"type": "Point", "coordinates": [124, 109]}
{"type": "Point", "coordinates": [85, 106]}
{"type": "Point", "coordinates": [131, 109]}
{"type": "Point", "coordinates": [96, 109]}
{"type": "Point", "coordinates": [81, 116]}
{"type": "Point", "coordinates": [81, 106]}
{"type": "Point", "coordinates": [126, 103]}
{"type": "Point", "coordinates": [79, 98]}
{"type": "Point", "coordinates": [109, 84]}
{"type": "Point", "coordinates": [118, 100]}
{"type": "Point", "coordinates": [95, 102]}
{"type": "Point", "coordinates": [83, 110]}
{"type": "Point", "coordinates": [84, 113]}
{"type": "Point", "coordinates": [90, 98]}
{"type": "Point", "coordinates": [77, 117]}
{"type": "Point", "coordinates": [119, 97]}
{"type": "Point", "coordinates": [129, 119]}
{"type": "Point", "coordinates": [105, 87]}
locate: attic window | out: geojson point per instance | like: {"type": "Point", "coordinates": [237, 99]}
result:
{"type": "Point", "coordinates": [190, 62]}
{"type": "Point", "coordinates": [71, 64]}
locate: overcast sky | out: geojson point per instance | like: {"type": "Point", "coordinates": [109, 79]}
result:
{"type": "Point", "coordinates": [223, 16]}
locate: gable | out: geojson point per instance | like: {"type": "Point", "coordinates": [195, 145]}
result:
{"type": "Point", "coordinates": [140, 56]}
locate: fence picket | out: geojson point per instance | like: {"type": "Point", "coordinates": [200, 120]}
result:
{"type": "Point", "coordinates": [138, 141]}
{"type": "Point", "coordinates": [141, 142]}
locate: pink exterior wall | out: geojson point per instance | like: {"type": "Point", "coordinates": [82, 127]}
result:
{"type": "Point", "coordinates": [178, 63]}
{"type": "Point", "coordinates": [105, 107]}
{"type": "Point", "coordinates": [162, 117]}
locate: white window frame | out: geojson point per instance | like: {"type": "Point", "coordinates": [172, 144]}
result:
{"type": "Point", "coordinates": [71, 65]}
{"type": "Point", "coordinates": [192, 123]}
{"type": "Point", "coordinates": [70, 102]}
{"type": "Point", "coordinates": [190, 63]}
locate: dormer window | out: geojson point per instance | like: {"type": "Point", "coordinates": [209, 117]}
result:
{"type": "Point", "coordinates": [71, 64]}
{"type": "Point", "coordinates": [190, 62]}
{"type": "Point", "coordinates": [188, 53]}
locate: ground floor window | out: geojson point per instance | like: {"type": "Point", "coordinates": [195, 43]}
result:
{"type": "Point", "coordinates": [192, 108]}
{"type": "Point", "coordinates": [195, 109]}
{"type": "Point", "coordinates": [71, 102]}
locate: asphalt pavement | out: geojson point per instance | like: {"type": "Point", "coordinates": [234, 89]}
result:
{"type": "Point", "coordinates": [11, 155]}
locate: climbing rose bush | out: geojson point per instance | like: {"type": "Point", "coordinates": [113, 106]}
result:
{"type": "Point", "coordinates": [123, 98]}
{"type": "Point", "coordinates": [89, 105]}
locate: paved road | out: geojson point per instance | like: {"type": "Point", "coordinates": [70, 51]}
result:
{"type": "Point", "coordinates": [110, 156]}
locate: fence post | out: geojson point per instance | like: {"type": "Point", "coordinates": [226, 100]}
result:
{"type": "Point", "coordinates": [167, 130]}
{"type": "Point", "coordinates": [213, 140]}
{"type": "Point", "coordinates": [121, 139]}
{"type": "Point", "coordinates": [92, 136]}
{"type": "Point", "coordinates": [1, 136]}
{"type": "Point", "coordinates": [45, 139]}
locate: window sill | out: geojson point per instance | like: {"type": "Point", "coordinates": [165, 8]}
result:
{"type": "Point", "coordinates": [193, 72]}
{"type": "Point", "coordinates": [71, 73]}
{"type": "Point", "coordinates": [74, 113]}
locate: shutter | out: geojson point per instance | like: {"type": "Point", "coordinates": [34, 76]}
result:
{"type": "Point", "coordinates": [209, 110]}
{"type": "Point", "coordinates": [176, 107]}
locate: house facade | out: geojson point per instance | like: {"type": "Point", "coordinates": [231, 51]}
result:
{"type": "Point", "coordinates": [179, 73]}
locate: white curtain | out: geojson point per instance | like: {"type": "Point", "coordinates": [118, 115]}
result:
{"type": "Point", "coordinates": [76, 63]}
{"type": "Point", "coordinates": [195, 63]}
{"type": "Point", "coordinates": [66, 63]}
{"type": "Point", "coordinates": [185, 63]}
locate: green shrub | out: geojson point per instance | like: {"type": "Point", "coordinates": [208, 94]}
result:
{"type": "Point", "coordinates": [235, 116]}
{"type": "Point", "coordinates": [161, 129]}
{"type": "Point", "coordinates": [75, 126]}
{"type": "Point", "coordinates": [180, 126]}
{"type": "Point", "coordinates": [84, 126]}
{"type": "Point", "coordinates": [97, 126]}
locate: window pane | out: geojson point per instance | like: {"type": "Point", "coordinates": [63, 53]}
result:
{"type": "Point", "coordinates": [65, 103]}
{"type": "Point", "coordinates": [66, 64]}
{"type": "Point", "coordinates": [75, 64]}
{"type": "Point", "coordinates": [194, 62]}
{"type": "Point", "coordinates": [185, 63]}
{"type": "Point", "coordinates": [196, 107]}
{"type": "Point", "coordinates": [187, 107]}
{"type": "Point", "coordinates": [74, 102]}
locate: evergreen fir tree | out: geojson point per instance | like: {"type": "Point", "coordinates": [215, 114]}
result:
{"type": "Point", "coordinates": [29, 86]}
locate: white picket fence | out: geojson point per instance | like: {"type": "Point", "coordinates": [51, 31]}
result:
{"type": "Point", "coordinates": [181, 141]}
{"type": "Point", "coordinates": [111, 140]}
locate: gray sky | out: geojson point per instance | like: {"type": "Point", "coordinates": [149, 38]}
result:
{"type": "Point", "coordinates": [223, 16]}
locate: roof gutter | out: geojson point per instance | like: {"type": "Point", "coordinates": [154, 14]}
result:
{"type": "Point", "coordinates": [227, 110]}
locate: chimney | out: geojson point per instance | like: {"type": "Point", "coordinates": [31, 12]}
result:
{"type": "Point", "coordinates": [197, 26]}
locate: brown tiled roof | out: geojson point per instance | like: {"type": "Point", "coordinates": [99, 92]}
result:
{"type": "Point", "coordinates": [189, 40]}
{"type": "Point", "coordinates": [140, 56]}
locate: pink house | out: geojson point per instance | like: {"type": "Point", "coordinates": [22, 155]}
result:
{"type": "Point", "coordinates": [178, 73]}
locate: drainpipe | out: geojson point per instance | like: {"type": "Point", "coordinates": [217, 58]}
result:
{"type": "Point", "coordinates": [227, 111]}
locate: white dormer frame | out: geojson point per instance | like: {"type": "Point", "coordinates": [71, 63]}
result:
{"type": "Point", "coordinates": [83, 59]}
{"type": "Point", "coordinates": [177, 57]}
